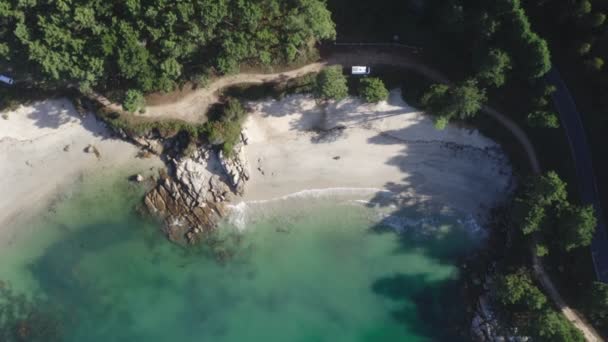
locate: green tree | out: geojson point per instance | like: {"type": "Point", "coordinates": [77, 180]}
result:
{"type": "Point", "coordinates": [226, 129]}
{"type": "Point", "coordinates": [518, 289]}
{"type": "Point", "coordinates": [598, 19]}
{"type": "Point", "coordinates": [584, 48]}
{"type": "Point", "coordinates": [598, 304]}
{"type": "Point", "coordinates": [533, 218]}
{"type": "Point", "coordinates": [551, 326]}
{"type": "Point", "coordinates": [541, 250]}
{"type": "Point", "coordinates": [544, 119]}
{"type": "Point", "coordinates": [461, 101]}
{"type": "Point", "coordinates": [584, 7]}
{"type": "Point", "coordinates": [133, 101]}
{"type": "Point", "coordinates": [595, 63]}
{"type": "Point", "coordinates": [537, 58]}
{"type": "Point", "coordinates": [494, 68]}
{"type": "Point", "coordinates": [372, 90]}
{"type": "Point", "coordinates": [576, 226]}
{"type": "Point", "coordinates": [331, 84]}
{"type": "Point", "coordinates": [547, 189]}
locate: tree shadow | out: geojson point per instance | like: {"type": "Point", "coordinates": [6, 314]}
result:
{"type": "Point", "coordinates": [425, 307]}
{"type": "Point", "coordinates": [56, 113]}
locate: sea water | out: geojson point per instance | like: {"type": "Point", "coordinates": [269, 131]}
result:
{"type": "Point", "coordinates": [317, 268]}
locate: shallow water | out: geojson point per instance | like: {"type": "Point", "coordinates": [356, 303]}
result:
{"type": "Point", "coordinates": [303, 270]}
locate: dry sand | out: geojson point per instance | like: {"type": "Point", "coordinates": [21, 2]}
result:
{"type": "Point", "coordinates": [387, 146]}
{"type": "Point", "coordinates": [34, 165]}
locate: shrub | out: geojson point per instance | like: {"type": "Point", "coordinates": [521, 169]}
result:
{"type": "Point", "coordinates": [598, 304]}
{"type": "Point", "coordinates": [441, 122]}
{"type": "Point", "coordinates": [372, 90]}
{"type": "Point", "coordinates": [541, 250]}
{"type": "Point", "coordinates": [331, 84]}
{"type": "Point", "coordinates": [461, 101]}
{"type": "Point", "coordinates": [543, 119]}
{"type": "Point", "coordinates": [576, 226]}
{"type": "Point", "coordinates": [584, 7]}
{"type": "Point", "coordinates": [584, 49]}
{"type": "Point", "coordinates": [595, 63]}
{"type": "Point", "coordinates": [133, 100]}
{"type": "Point", "coordinates": [598, 19]}
{"type": "Point", "coordinates": [494, 67]}
{"type": "Point", "coordinates": [226, 130]}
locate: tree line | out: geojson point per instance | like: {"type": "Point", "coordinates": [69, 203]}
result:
{"type": "Point", "coordinates": [149, 45]}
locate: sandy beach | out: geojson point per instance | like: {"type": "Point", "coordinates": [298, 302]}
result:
{"type": "Point", "coordinates": [296, 146]}
{"type": "Point", "coordinates": [42, 152]}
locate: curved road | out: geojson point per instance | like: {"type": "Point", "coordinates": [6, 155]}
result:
{"type": "Point", "coordinates": [189, 108]}
{"type": "Point", "coordinates": [575, 131]}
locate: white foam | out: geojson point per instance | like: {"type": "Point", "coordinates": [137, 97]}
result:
{"type": "Point", "coordinates": [240, 212]}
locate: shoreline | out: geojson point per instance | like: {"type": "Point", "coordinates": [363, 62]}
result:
{"type": "Point", "coordinates": [42, 156]}
{"type": "Point", "coordinates": [296, 147]}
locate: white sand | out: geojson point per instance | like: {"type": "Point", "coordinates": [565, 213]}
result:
{"type": "Point", "coordinates": [388, 146]}
{"type": "Point", "coordinates": [34, 166]}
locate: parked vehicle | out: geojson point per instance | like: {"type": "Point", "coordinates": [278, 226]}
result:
{"type": "Point", "coordinates": [360, 70]}
{"type": "Point", "coordinates": [6, 80]}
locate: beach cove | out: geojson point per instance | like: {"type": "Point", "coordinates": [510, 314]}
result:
{"type": "Point", "coordinates": [322, 246]}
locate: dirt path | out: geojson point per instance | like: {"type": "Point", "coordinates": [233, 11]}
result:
{"type": "Point", "coordinates": [193, 106]}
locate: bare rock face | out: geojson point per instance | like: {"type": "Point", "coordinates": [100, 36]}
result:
{"type": "Point", "coordinates": [236, 167]}
{"type": "Point", "coordinates": [192, 202]}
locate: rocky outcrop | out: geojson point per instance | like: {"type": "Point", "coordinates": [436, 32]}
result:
{"type": "Point", "coordinates": [191, 202]}
{"type": "Point", "coordinates": [236, 167]}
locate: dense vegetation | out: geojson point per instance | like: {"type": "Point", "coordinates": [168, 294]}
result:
{"type": "Point", "coordinates": [150, 45]}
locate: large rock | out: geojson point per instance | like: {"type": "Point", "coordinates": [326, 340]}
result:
{"type": "Point", "coordinates": [191, 203]}
{"type": "Point", "coordinates": [236, 167]}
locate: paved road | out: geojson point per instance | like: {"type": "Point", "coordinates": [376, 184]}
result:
{"type": "Point", "coordinates": [571, 121]}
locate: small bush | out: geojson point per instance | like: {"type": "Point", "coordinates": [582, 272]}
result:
{"type": "Point", "coordinates": [543, 119]}
{"type": "Point", "coordinates": [133, 100]}
{"type": "Point", "coordinates": [441, 122]}
{"type": "Point", "coordinates": [541, 250]}
{"type": "Point", "coordinates": [598, 19]}
{"type": "Point", "coordinates": [226, 130]}
{"type": "Point", "coordinates": [584, 49]}
{"type": "Point", "coordinates": [372, 90]}
{"type": "Point", "coordinates": [331, 84]}
{"type": "Point", "coordinates": [595, 63]}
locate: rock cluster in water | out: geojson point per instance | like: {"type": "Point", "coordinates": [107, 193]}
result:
{"type": "Point", "coordinates": [192, 201]}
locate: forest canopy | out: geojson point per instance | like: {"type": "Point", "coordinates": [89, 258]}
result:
{"type": "Point", "coordinates": [149, 44]}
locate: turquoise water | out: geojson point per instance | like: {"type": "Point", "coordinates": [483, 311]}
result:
{"type": "Point", "coordinates": [306, 270]}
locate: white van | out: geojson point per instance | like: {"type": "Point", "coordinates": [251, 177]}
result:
{"type": "Point", "coordinates": [6, 80]}
{"type": "Point", "coordinates": [360, 70]}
